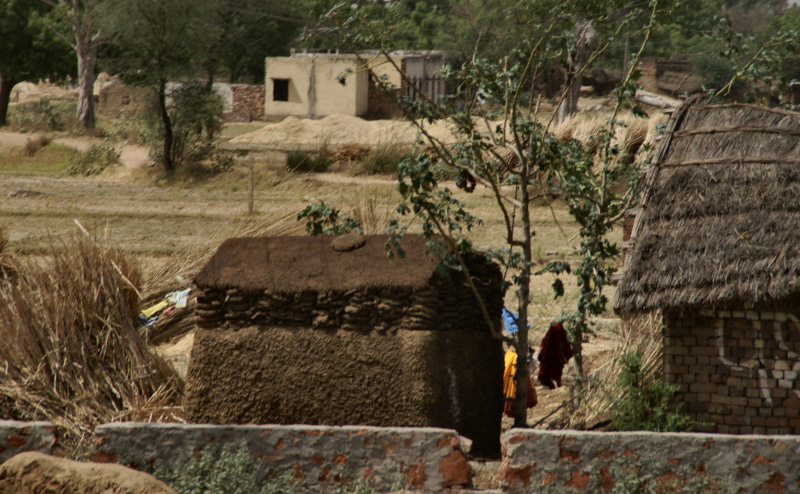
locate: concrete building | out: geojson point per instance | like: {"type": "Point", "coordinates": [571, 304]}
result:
{"type": "Point", "coordinates": [307, 83]}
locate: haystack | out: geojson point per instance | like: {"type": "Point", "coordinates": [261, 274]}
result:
{"type": "Point", "coordinates": [716, 249]}
{"type": "Point", "coordinates": [319, 331]}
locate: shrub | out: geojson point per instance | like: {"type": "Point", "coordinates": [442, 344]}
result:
{"type": "Point", "coordinates": [644, 405]}
{"type": "Point", "coordinates": [134, 125]}
{"type": "Point", "coordinates": [42, 115]}
{"type": "Point", "coordinates": [322, 219]}
{"type": "Point", "coordinates": [32, 146]}
{"type": "Point", "coordinates": [309, 161]}
{"type": "Point", "coordinates": [94, 160]}
{"type": "Point", "coordinates": [197, 120]}
{"type": "Point", "coordinates": [384, 159]}
{"type": "Point", "coordinates": [230, 470]}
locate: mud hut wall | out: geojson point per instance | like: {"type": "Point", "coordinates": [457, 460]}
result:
{"type": "Point", "coordinates": [298, 375]}
{"type": "Point", "coordinates": [736, 368]}
{"type": "Point", "coordinates": [446, 303]}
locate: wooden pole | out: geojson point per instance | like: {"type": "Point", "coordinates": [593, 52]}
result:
{"type": "Point", "coordinates": [250, 185]}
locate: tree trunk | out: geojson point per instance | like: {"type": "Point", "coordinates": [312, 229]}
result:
{"type": "Point", "coordinates": [86, 50]}
{"type": "Point", "coordinates": [587, 40]}
{"type": "Point", "coordinates": [5, 96]}
{"type": "Point", "coordinates": [523, 294]}
{"type": "Point", "coordinates": [167, 160]}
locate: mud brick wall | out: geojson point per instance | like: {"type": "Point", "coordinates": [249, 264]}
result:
{"type": "Point", "coordinates": [446, 304]}
{"type": "Point", "coordinates": [570, 461]}
{"type": "Point", "coordinates": [736, 368]}
{"type": "Point", "coordinates": [248, 99]}
{"type": "Point", "coordinates": [415, 458]}
{"type": "Point", "coordinates": [17, 437]}
{"type": "Point", "coordinates": [297, 375]}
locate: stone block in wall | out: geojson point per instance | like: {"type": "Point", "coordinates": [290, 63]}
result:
{"type": "Point", "coordinates": [557, 461]}
{"type": "Point", "coordinates": [17, 436]}
{"type": "Point", "coordinates": [428, 459]}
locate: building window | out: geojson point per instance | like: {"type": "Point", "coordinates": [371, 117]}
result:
{"type": "Point", "coordinates": [280, 89]}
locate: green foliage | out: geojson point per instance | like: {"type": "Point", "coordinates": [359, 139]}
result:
{"type": "Point", "coordinates": [45, 114]}
{"type": "Point", "coordinates": [715, 71]}
{"type": "Point", "coordinates": [134, 125]}
{"type": "Point", "coordinates": [94, 160]}
{"type": "Point", "coordinates": [322, 219]}
{"type": "Point", "coordinates": [196, 122]}
{"type": "Point", "coordinates": [29, 50]}
{"type": "Point", "coordinates": [641, 404]}
{"type": "Point", "coordinates": [309, 161]}
{"type": "Point", "coordinates": [231, 470]}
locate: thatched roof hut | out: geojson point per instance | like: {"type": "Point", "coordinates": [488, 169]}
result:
{"type": "Point", "coordinates": [321, 330]}
{"type": "Point", "coordinates": [719, 221]}
{"type": "Point", "coordinates": [716, 248]}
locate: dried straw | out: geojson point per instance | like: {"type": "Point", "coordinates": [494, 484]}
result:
{"type": "Point", "coordinates": [181, 270]}
{"type": "Point", "coordinates": [640, 333]}
{"type": "Point", "coordinates": [69, 341]}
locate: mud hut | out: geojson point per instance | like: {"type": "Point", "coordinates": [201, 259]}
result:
{"type": "Point", "coordinates": [321, 330]}
{"type": "Point", "coordinates": [717, 250]}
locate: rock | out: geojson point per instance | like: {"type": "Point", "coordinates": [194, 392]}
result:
{"type": "Point", "coordinates": [33, 472]}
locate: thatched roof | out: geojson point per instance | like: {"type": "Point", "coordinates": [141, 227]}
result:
{"type": "Point", "coordinates": [719, 219]}
{"type": "Point", "coordinates": [292, 264]}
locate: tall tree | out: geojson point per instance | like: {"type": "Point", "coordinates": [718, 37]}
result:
{"type": "Point", "coordinates": [84, 35]}
{"type": "Point", "coordinates": [29, 51]}
{"type": "Point", "coordinates": [155, 42]}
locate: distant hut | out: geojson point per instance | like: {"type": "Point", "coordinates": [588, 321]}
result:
{"type": "Point", "coordinates": [322, 330]}
{"type": "Point", "coordinates": [717, 250]}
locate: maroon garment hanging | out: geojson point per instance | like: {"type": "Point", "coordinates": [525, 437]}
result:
{"type": "Point", "coordinates": [555, 353]}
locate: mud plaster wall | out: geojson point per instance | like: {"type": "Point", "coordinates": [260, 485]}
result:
{"type": "Point", "coordinates": [736, 369]}
{"type": "Point", "coordinates": [302, 375]}
{"type": "Point", "coordinates": [574, 461]}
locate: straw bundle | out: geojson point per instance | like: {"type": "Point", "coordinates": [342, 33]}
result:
{"type": "Point", "coordinates": [630, 132]}
{"type": "Point", "coordinates": [177, 273]}
{"type": "Point", "coordinates": [640, 333]}
{"type": "Point", "coordinates": [69, 341]}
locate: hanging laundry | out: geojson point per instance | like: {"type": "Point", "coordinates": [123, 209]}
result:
{"type": "Point", "coordinates": [555, 353]}
{"type": "Point", "coordinates": [510, 385]}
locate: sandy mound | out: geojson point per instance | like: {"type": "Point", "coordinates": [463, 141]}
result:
{"type": "Point", "coordinates": [335, 131]}
{"type": "Point", "coordinates": [36, 472]}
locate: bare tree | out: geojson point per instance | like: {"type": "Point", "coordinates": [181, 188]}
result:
{"type": "Point", "coordinates": [85, 40]}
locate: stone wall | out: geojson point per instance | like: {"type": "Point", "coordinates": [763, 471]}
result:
{"type": "Point", "coordinates": [736, 369]}
{"type": "Point", "coordinates": [16, 437]}
{"type": "Point", "coordinates": [572, 461]}
{"type": "Point", "coordinates": [385, 458]}
{"type": "Point", "coordinates": [248, 99]}
{"type": "Point", "coordinates": [440, 306]}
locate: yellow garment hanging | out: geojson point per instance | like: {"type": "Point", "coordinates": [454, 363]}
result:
{"type": "Point", "coordinates": [510, 384]}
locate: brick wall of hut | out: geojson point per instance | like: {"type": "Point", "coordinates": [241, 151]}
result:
{"type": "Point", "coordinates": [736, 368]}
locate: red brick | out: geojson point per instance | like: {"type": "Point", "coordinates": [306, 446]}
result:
{"type": "Point", "coordinates": [579, 480]}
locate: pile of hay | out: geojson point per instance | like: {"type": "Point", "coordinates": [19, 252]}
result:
{"type": "Point", "coordinates": [69, 342]}
{"type": "Point", "coordinates": [639, 334]}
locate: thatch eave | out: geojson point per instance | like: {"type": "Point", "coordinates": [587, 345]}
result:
{"type": "Point", "coordinates": [719, 220]}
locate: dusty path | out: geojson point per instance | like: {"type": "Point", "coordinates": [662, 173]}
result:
{"type": "Point", "coordinates": [130, 155]}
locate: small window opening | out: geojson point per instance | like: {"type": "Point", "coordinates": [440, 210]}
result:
{"type": "Point", "coordinates": [280, 89]}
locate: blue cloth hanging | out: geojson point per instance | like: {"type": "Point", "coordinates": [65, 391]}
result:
{"type": "Point", "coordinates": [510, 321]}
